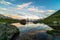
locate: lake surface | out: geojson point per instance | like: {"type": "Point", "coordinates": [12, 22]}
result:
{"type": "Point", "coordinates": [38, 29]}
{"type": "Point", "coordinates": [29, 26]}
{"type": "Point", "coordinates": [57, 38]}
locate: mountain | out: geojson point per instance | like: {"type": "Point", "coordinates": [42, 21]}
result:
{"type": "Point", "coordinates": [6, 19]}
{"type": "Point", "coordinates": [52, 21]}
{"type": "Point", "coordinates": [54, 17]}
{"type": "Point", "coordinates": [7, 31]}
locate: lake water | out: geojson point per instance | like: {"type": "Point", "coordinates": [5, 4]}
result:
{"type": "Point", "coordinates": [38, 29]}
{"type": "Point", "coordinates": [57, 38]}
{"type": "Point", "coordinates": [29, 26]}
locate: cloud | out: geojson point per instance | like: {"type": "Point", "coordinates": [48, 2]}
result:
{"type": "Point", "coordinates": [23, 5]}
{"type": "Point", "coordinates": [5, 2]}
{"type": "Point", "coordinates": [50, 11]}
{"type": "Point", "coordinates": [29, 11]}
{"type": "Point", "coordinates": [31, 17]}
{"type": "Point", "coordinates": [40, 11]}
{"type": "Point", "coordinates": [35, 10]}
{"type": "Point", "coordinates": [3, 9]}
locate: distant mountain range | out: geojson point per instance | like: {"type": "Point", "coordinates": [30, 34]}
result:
{"type": "Point", "coordinates": [6, 19]}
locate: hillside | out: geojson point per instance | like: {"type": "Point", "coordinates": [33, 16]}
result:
{"type": "Point", "coordinates": [7, 31]}
{"type": "Point", "coordinates": [53, 20]}
{"type": "Point", "coordinates": [5, 19]}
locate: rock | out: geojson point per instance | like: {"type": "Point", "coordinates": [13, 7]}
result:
{"type": "Point", "coordinates": [7, 31]}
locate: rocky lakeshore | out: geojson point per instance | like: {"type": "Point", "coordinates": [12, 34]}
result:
{"type": "Point", "coordinates": [7, 31]}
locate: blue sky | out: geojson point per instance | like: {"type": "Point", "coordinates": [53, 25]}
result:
{"type": "Point", "coordinates": [29, 8]}
{"type": "Point", "coordinates": [50, 4]}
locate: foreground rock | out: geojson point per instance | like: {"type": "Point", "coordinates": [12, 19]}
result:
{"type": "Point", "coordinates": [7, 31]}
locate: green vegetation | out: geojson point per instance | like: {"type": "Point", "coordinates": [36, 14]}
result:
{"type": "Point", "coordinates": [7, 31]}
{"type": "Point", "coordinates": [8, 20]}
{"type": "Point", "coordinates": [53, 20]}
{"type": "Point", "coordinates": [23, 22]}
{"type": "Point", "coordinates": [5, 19]}
{"type": "Point", "coordinates": [53, 31]}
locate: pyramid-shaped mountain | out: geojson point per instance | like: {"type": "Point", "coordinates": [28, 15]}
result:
{"type": "Point", "coordinates": [54, 16]}
{"type": "Point", "coordinates": [53, 20]}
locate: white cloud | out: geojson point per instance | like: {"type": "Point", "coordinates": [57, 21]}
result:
{"type": "Point", "coordinates": [44, 13]}
{"type": "Point", "coordinates": [30, 10]}
{"type": "Point", "coordinates": [4, 2]}
{"type": "Point", "coordinates": [35, 10]}
{"type": "Point", "coordinates": [3, 9]}
{"type": "Point", "coordinates": [42, 17]}
{"type": "Point", "coordinates": [50, 11]}
{"type": "Point", "coordinates": [23, 5]}
{"type": "Point", "coordinates": [40, 11]}
{"type": "Point", "coordinates": [31, 17]}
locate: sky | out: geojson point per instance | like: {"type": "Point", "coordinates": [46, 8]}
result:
{"type": "Point", "coordinates": [32, 9]}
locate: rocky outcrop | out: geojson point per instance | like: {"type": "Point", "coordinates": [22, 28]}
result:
{"type": "Point", "coordinates": [7, 31]}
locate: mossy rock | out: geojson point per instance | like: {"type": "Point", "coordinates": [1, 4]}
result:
{"type": "Point", "coordinates": [7, 31]}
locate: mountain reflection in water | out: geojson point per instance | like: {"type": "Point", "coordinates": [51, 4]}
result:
{"type": "Point", "coordinates": [31, 26]}
{"type": "Point", "coordinates": [34, 31]}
